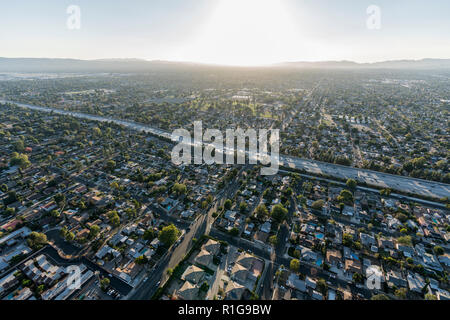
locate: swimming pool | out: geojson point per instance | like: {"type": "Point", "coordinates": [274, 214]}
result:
{"type": "Point", "coordinates": [319, 236]}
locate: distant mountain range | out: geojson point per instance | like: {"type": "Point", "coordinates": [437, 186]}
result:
{"type": "Point", "coordinates": [138, 65]}
{"type": "Point", "coordinates": [74, 65]}
{"type": "Point", "coordinates": [394, 64]}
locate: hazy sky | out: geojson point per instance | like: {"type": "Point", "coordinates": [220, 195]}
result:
{"type": "Point", "coordinates": [226, 31]}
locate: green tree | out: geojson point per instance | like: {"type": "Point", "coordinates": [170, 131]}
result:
{"type": "Point", "coordinates": [288, 192]}
{"type": "Point", "coordinates": [27, 283]}
{"type": "Point", "coordinates": [70, 236]}
{"type": "Point", "coordinates": [307, 186]}
{"type": "Point", "coordinates": [37, 240]}
{"type": "Point", "coordinates": [55, 213]}
{"type": "Point", "coordinates": [59, 198]}
{"type": "Point", "coordinates": [110, 165]}
{"type": "Point", "coordinates": [94, 231]}
{"type": "Point", "coordinates": [318, 205]}
{"type": "Point", "coordinates": [351, 184]}
{"type": "Point", "coordinates": [273, 240]}
{"type": "Point", "coordinates": [227, 205]}
{"type": "Point", "coordinates": [234, 232]}
{"type": "Point", "coordinates": [295, 265]}
{"type": "Point", "coordinates": [302, 199]}
{"type": "Point", "coordinates": [96, 131]}
{"type": "Point", "coordinates": [11, 198]}
{"type": "Point", "coordinates": [346, 197]}
{"type": "Point", "coordinates": [430, 296]}
{"type": "Point", "coordinates": [401, 293]}
{"type": "Point", "coordinates": [168, 235]}
{"type": "Point", "coordinates": [347, 240]}
{"type": "Point", "coordinates": [261, 212]}
{"type": "Point", "coordinates": [204, 287]}
{"type": "Point", "coordinates": [114, 218]}
{"type": "Point", "coordinates": [63, 232]}
{"type": "Point", "coordinates": [405, 240]}
{"type": "Point", "coordinates": [8, 211]}
{"type": "Point", "coordinates": [243, 207]}
{"type": "Point", "coordinates": [149, 235]}
{"type": "Point", "coordinates": [104, 283]}
{"type": "Point", "coordinates": [341, 207]}
{"type": "Point", "coordinates": [438, 250]}
{"type": "Point", "coordinates": [20, 160]}
{"type": "Point", "coordinates": [141, 260]}
{"type": "Point", "coordinates": [19, 146]}
{"type": "Point", "coordinates": [358, 278]}
{"type": "Point", "coordinates": [40, 289]}
{"type": "Point", "coordinates": [279, 213]}
{"type": "Point", "coordinates": [115, 185]}
{"type": "Point", "coordinates": [322, 286]}
{"type": "Point", "coordinates": [179, 188]}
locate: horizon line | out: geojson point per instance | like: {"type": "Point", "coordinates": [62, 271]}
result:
{"type": "Point", "coordinates": [274, 64]}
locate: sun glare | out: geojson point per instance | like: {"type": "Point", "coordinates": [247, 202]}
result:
{"type": "Point", "coordinates": [246, 33]}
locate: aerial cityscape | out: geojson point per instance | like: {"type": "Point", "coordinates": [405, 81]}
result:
{"type": "Point", "coordinates": [94, 205]}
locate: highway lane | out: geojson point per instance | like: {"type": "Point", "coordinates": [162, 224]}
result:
{"type": "Point", "coordinates": [378, 179]}
{"type": "Point", "coordinates": [432, 204]}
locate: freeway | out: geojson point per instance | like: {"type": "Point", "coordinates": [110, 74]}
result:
{"type": "Point", "coordinates": [415, 186]}
{"type": "Point", "coordinates": [433, 204]}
